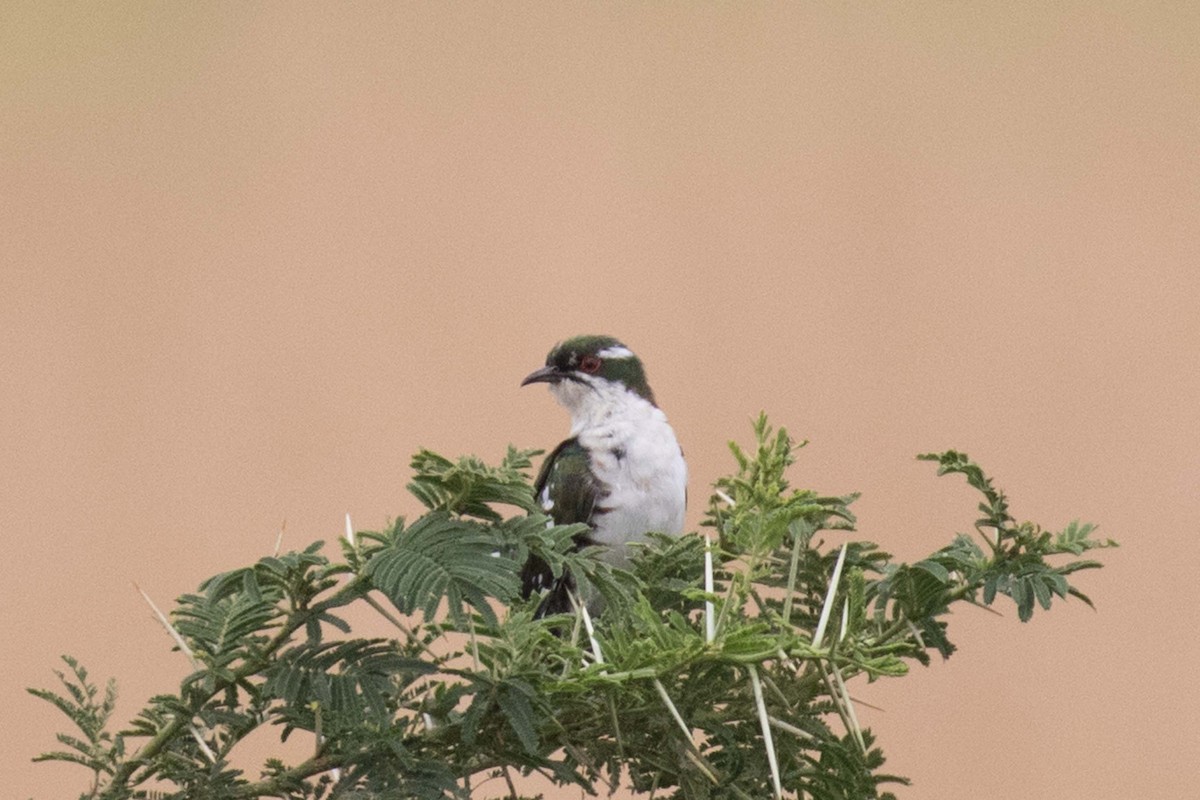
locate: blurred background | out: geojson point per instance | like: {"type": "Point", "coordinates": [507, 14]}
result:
{"type": "Point", "coordinates": [255, 255]}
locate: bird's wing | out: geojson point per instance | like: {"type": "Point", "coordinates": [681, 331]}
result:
{"type": "Point", "coordinates": [568, 493]}
{"type": "Point", "coordinates": [565, 486]}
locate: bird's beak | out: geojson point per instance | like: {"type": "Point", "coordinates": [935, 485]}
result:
{"type": "Point", "coordinates": [543, 375]}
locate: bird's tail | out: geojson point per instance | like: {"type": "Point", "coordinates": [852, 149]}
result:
{"type": "Point", "coordinates": [558, 599]}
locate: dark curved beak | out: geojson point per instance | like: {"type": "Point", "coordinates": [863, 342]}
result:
{"type": "Point", "coordinates": [543, 375]}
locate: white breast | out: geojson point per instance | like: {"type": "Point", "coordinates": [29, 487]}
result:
{"type": "Point", "coordinates": [635, 454]}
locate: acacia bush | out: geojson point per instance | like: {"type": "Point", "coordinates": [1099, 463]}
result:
{"type": "Point", "coordinates": [715, 671]}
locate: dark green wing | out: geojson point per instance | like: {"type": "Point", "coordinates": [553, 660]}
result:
{"type": "Point", "coordinates": [565, 487]}
{"type": "Point", "coordinates": [567, 491]}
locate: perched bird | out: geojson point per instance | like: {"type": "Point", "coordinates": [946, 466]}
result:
{"type": "Point", "coordinates": [621, 471]}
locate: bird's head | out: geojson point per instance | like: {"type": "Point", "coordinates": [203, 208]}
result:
{"type": "Point", "coordinates": [588, 373]}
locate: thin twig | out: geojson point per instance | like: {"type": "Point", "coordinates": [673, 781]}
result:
{"type": "Point", "coordinates": [390, 617]}
{"type": "Point", "coordinates": [163, 737]}
{"type": "Point", "coordinates": [474, 642]}
{"type": "Point", "coordinates": [512, 789]}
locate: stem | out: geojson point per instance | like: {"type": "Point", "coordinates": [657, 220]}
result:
{"type": "Point", "coordinates": [276, 786]}
{"type": "Point", "coordinates": [901, 622]}
{"type": "Point", "coordinates": [474, 643]}
{"type": "Point", "coordinates": [392, 618]}
{"type": "Point", "coordinates": [295, 621]}
{"type": "Point", "coordinates": [797, 541]}
{"type": "Point", "coordinates": [512, 789]}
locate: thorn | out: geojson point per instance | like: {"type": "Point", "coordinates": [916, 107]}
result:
{"type": "Point", "coordinates": [693, 751]}
{"type": "Point", "coordinates": [166, 623]}
{"type": "Point", "coordinates": [710, 621]}
{"type": "Point", "coordinates": [792, 729]}
{"type": "Point", "coordinates": [765, 723]}
{"type": "Point", "coordinates": [856, 728]}
{"type": "Point", "coordinates": [819, 634]}
{"type": "Point", "coordinates": [871, 706]}
{"type": "Point", "coordinates": [587, 625]}
{"type": "Point", "coordinates": [204, 748]}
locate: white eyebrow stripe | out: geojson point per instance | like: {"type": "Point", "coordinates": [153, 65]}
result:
{"type": "Point", "coordinates": [616, 351]}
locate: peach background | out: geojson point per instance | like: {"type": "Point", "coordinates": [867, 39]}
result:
{"type": "Point", "coordinates": [254, 255]}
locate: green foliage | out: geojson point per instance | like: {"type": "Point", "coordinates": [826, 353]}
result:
{"type": "Point", "coordinates": [448, 557]}
{"type": "Point", "coordinates": [468, 487]}
{"type": "Point", "coordinates": [98, 750]}
{"type": "Point", "coordinates": [473, 689]}
{"type": "Point", "coordinates": [1018, 566]}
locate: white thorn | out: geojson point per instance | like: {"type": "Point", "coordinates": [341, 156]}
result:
{"type": "Point", "coordinates": [666, 698]}
{"type": "Point", "coordinates": [792, 729]}
{"type": "Point", "coordinates": [765, 723]}
{"type": "Point", "coordinates": [166, 623]}
{"type": "Point", "coordinates": [855, 728]}
{"type": "Point", "coordinates": [591, 632]}
{"type": "Point", "coordinates": [204, 748]}
{"type": "Point", "coordinates": [819, 635]}
{"type": "Point", "coordinates": [710, 618]}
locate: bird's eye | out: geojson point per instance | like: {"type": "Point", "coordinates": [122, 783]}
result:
{"type": "Point", "coordinates": [589, 364]}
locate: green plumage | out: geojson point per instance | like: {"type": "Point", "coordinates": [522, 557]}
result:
{"type": "Point", "coordinates": [569, 493]}
{"type": "Point", "coordinates": [567, 478]}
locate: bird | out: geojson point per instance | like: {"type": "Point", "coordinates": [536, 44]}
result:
{"type": "Point", "coordinates": [621, 471]}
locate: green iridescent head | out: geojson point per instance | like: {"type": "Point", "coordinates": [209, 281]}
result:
{"type": "Point", "coordinates": [587, 359]}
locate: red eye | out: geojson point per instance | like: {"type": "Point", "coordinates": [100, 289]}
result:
{"type": "Point", "coordinates": [589, 364]}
